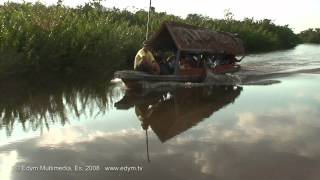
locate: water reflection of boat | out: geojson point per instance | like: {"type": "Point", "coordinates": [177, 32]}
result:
{"type": "Point", "coordinates": [194, 51]}
{"type": "Point", "coordinates": [173, 112]}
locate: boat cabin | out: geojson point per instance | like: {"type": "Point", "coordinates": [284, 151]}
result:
{"type": "Point", "coordinates": [194, 49]}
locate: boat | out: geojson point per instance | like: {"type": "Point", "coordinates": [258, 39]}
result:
{"type": "Point", "coordinates": [202, 45]}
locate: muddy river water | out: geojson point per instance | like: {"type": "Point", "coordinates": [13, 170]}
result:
{"type": "Point", "coordinates": [205, 132]}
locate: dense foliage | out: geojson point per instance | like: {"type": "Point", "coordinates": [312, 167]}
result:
{"type": "Point", "coordinates": [262, 35]}
{"type": "Point", "coordinates": [310, 36]}
{"type": "Point", "coordinates": [35, 38]}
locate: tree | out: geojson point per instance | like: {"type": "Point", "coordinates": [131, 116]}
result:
{"type": "Point", "coordinates": [228, 15]}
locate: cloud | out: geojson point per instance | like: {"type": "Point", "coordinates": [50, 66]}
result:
{"type": "Point", "coordinates": [7, 162]}
{"type": "Point", "coordinates": [60, 137]}
{"type": "Point", "coordinates": [317, 97]}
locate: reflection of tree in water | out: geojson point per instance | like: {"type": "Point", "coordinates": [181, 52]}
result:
{"type": "Point", "coordinates": [172, 112]}
{"type": "Point", "coordinates": [36, 106]}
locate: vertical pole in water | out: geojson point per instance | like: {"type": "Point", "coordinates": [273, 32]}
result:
{"type": "Point", "coordinates": [176, 68]}
{"type": "Point", "coordinates": [147, 141]}
{"type": "Point", "coordinates": [147, 34]}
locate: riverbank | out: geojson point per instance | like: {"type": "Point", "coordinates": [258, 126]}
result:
{"type": "Point", "coordinates": [37, 40]}
{"type": "Point", "coordinates": [310, 36]}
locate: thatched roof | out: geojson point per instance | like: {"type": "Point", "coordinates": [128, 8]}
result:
{"type": "Point", "coordinates": [188, 38]}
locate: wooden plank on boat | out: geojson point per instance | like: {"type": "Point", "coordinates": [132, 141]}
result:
{"type": "Point", "coordinates": [129, 75]}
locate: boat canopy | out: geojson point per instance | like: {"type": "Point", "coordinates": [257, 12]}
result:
{"type": "Point", "coordinates": [177, 36]}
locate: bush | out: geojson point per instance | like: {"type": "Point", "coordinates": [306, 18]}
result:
{"type": "Point", "coordinates": [310, 36]}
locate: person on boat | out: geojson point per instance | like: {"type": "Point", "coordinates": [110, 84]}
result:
{"type": "Point", "coordinates": [145, 61]}
{"type": "Point", "coordinates": [185, 62]}
{"type": "Point", "coordinates": [232, 59]}
{"type": "Point", "coordinates": [163, 64]}
{"type": "Point", "coordinates": [224, 59]}
{"type": "Point", "coordinates": [171, 61]}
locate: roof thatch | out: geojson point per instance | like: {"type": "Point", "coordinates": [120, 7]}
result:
{"type": "Point", "coordinates": [188, 38]}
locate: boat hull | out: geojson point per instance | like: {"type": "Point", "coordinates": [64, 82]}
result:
{"type": "Point", "coordinates": [136, 79]}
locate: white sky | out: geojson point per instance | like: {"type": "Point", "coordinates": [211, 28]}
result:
{"type": "Point", "coordinates": [299, 14]}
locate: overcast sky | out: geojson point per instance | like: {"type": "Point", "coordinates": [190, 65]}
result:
{"type": "Point", "coordinates": [298, 14]}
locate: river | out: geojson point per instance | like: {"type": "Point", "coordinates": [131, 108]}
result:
{"type": "Point", "coordinates": [208, 132]}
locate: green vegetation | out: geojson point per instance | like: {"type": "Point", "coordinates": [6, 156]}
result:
{"type": "Point", "coordinates": [310, 36]}
{"type": "Point", "coordinates": [262, 35]}
{"type": "Point", "coordinates": [36, 39]}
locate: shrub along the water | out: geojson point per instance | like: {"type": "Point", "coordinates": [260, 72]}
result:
{"type": "Point", "coordinates": [38, 39]}
{"type": "Point", "coordinates": [310, 36]}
